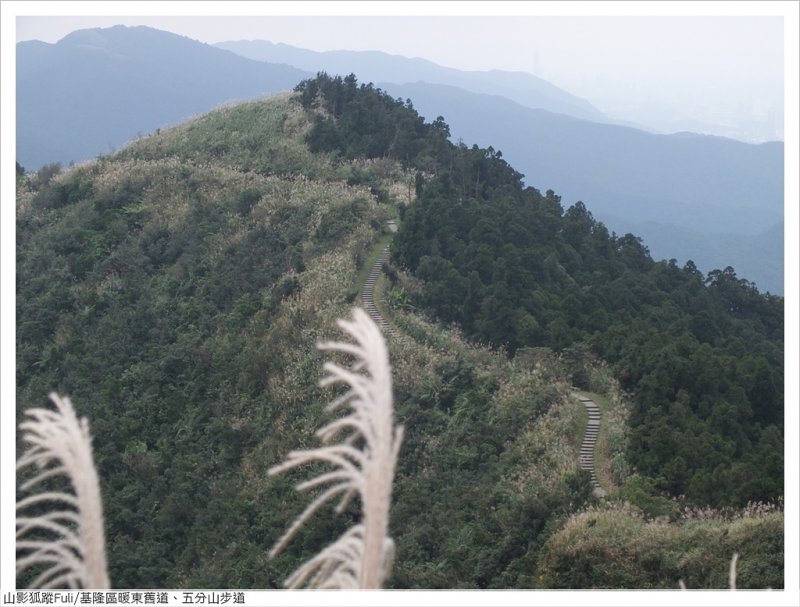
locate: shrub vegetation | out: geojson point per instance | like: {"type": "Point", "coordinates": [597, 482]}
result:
{"type": "Point", "coordinates": [175, 291]}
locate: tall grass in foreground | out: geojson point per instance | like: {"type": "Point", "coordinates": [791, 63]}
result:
{"type": "Point", "coordinates": [65, 545]}
{"type": "Point", "coordinates": [60, 538]}
{"type": "Point", "coordinates": [68, 542]}
{"type": "Point", "coordinates": [364, 460]}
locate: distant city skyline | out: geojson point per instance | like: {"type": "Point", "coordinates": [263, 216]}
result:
{"type": "Point", "coordinates": [718, 75]}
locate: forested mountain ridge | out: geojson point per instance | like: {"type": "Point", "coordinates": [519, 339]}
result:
{"type": "Point", "coordinates": [175, 291]}
{"type": "Point", "coordinates": [710, 199]}
{"type": "Point", "coordinates": [713, 200]}
{"type": "Point", "coordinates": [702, 354]}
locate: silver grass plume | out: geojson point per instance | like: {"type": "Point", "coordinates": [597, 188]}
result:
{"type": "Point", "coordinates": [67, 538]}
{"type": "Point", "coordinates": [732, 572]}
{"type": "Point", "coordinates": [363, 463]}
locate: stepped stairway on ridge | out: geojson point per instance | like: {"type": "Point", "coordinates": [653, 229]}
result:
{"type": "Point", "coordinates": [589, 442]}
{"type": "Point", "coordinates": [368, 297]}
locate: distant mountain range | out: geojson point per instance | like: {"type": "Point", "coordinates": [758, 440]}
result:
{"type": "Point", "coordinates": [374, 66]}
{"type": "Point", "coordinates": [708, 199]}
{"type": "Point", "coordinates": [97, 89]}
{"type": "Point", "coordinates": [708, 183]}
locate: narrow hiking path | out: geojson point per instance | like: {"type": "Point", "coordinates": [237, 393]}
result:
{"type": "Point", "coordinates": [586, 458]}
{"type": "Point", "coordinates": [367, 295]}
{"type": "Point", "coordinates": [589, 441]}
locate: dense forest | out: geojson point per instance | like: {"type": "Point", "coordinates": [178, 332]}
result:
{"type": "Point", "coordinates": [703, 356]}
{"type": "Point", "coordinates": [176, 290]}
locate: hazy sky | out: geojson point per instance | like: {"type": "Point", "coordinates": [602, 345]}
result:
{"type": "Point", "coordinates": [720, 74]}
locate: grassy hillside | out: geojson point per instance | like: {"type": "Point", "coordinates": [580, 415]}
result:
{"type": "Point", "coordinates": [618, 547]}
{"type": "Point", "coordinates": [176, 290]}
{"type": "Point", "coordinates": [96, 89]}
{"type": "Point", "coordinates": [178, 302]}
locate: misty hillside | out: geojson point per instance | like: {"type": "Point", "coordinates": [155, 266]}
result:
{"type": "Point", "coordinates": [690, 196]}
{"type": "Point", "coordinates": [759, 257]}
{"type": "Point", "coordinates": [712, 200]}
{"type": "Point", "coordinates": [175, 291]}
{"type": "Point", "coordinates": [97, 89]}
{"type": "Point", "coordinates": [718, 184]}
{"type": "Point", "coordinates": [373, 66]}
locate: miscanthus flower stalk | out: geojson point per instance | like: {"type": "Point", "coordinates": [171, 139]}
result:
{"type": "Point", "coordinates": [362, 448]}
{"type": "Point", "coordinates": [59, 531]}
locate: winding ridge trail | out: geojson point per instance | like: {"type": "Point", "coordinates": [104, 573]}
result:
{"type": "Point", "coordinates": [592, 425]}
{"type": "Point", "coordinates": [589, 441]}
{"type": "Point", "coordinates": [368, 297]}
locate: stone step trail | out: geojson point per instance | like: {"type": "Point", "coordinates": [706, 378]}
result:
{"type": "Point", "coordinates": [368, 298]}
{"type": "Point", "coordinates": [586, 459]}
